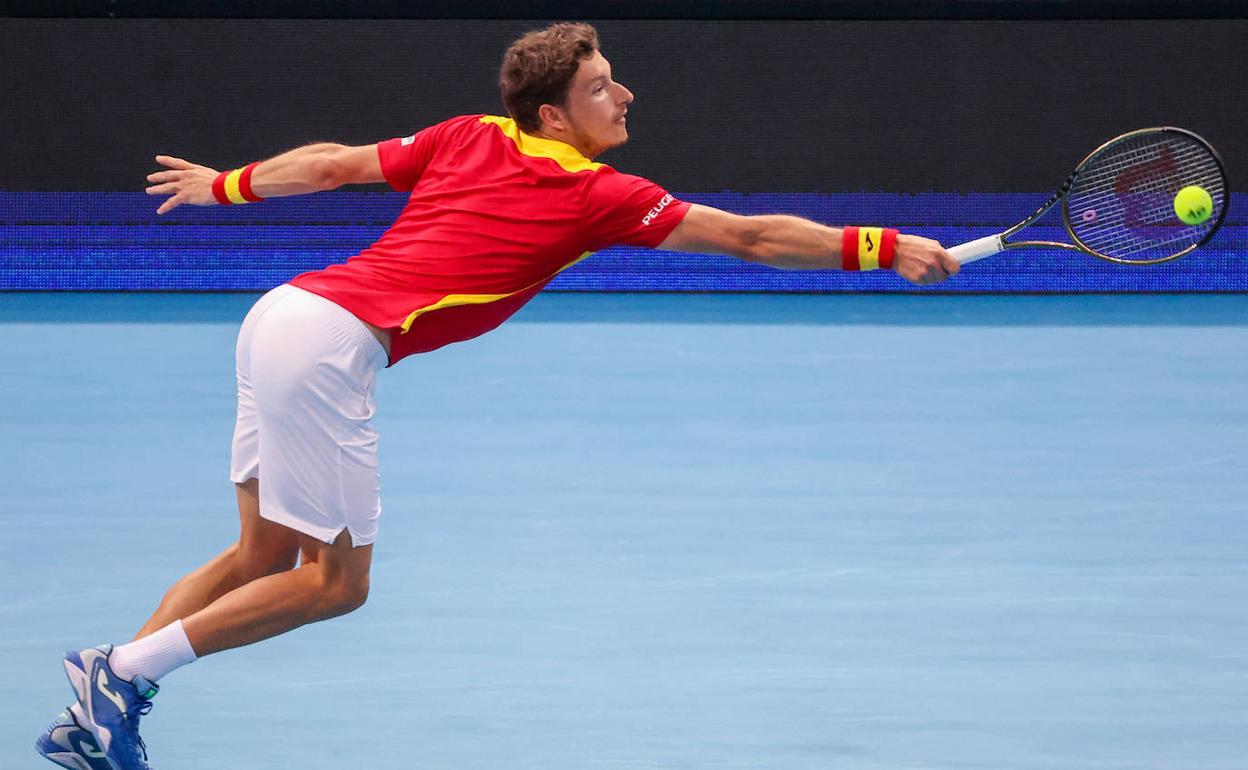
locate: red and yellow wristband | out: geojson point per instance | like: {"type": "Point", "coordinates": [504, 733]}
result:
{"type": "Point", "coordinates": [867, 248]}
{"type": "Point", "coordinates": [232, 187]}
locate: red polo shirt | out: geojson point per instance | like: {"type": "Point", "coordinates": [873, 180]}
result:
{"type": "Point", "coordinates": [494, 215]}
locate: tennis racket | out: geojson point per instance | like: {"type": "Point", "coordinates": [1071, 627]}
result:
{"type": "Point", "coordinates": [1119, 203]}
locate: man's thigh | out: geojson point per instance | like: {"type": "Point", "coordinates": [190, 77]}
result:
{"type": "Point", "coordinates": [264, 546]}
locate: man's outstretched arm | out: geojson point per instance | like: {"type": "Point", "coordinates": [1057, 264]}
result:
{"type": "Point", "coordinates": [313, 168]}
{"type": "Point", "coordinates": [796, 244]}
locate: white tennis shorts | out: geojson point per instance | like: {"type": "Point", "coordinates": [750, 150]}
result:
{"type": "Point", "coordinates": [306, 369]}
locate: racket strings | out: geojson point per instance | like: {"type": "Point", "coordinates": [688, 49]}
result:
{"type": "Point", "coordinates": [1121, 203]}
{"type": "Point", "coordinates": [1136, 191]}
{"type": "Point", "coordinates": [1151, 225]}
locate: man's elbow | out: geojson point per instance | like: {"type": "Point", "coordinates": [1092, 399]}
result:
{"type": "Point", "coordinates": [749, 243]}
{"type": "Point", "coordinates": [328, 170]}
{"type": "Point", "coordinates": [755, 246]}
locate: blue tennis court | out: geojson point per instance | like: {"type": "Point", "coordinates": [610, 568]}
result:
{"type": "Point", "coordinates": [662, 531]}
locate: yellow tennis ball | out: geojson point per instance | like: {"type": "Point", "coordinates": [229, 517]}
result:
{"type": "Point", "coordinates": [1193, 205]}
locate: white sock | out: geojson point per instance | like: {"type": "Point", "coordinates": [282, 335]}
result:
{"type": "Point", "coordinates": [154, 655]}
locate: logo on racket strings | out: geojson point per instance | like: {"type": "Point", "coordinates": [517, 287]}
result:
{"type": "Point", "coordinates": [1136, 204]}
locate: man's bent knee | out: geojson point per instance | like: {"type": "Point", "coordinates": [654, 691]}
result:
{"type": "Point", "coordinates": [352, 596]}
{"type": "Point", "coordinates": [339, 597]}
{"type": "Point", "coordinates": [341, 570]}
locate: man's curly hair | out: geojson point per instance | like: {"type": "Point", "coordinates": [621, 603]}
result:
{"type": "Point", "coordinates": [539, 67]}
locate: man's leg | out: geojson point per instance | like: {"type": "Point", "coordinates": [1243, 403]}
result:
{"type": "Point", "coordinates": [263, 548]}
{"type": "Point", "coordinates": [332, 580]}
{"type": "Point", "coordinates": [250, 591]}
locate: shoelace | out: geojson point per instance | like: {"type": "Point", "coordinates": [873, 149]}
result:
{"type": "Point", "coordinates": [134, 714]}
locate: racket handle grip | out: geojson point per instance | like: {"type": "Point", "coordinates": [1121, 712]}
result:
{"type": "Point", "coordinates": [976, 249]}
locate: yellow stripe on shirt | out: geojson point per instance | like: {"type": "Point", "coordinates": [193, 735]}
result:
{"type": "Point", "coordinates": [567, 156]}
{"type": "Point", "coordinates": [456, 300]}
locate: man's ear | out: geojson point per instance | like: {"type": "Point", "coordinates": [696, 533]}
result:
{"type": "Point", "coordinates": [552, 116]}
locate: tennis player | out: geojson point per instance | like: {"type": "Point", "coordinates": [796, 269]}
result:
{"type": "Point", "coordinates": [497, 207]}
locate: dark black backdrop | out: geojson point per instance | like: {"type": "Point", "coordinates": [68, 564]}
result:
{"type": "Point", "coordinates": [801, 106]}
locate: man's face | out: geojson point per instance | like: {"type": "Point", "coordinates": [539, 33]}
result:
{"type": "Point", "coordinates": [595, 107]}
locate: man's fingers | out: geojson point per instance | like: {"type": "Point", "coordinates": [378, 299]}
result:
{"type": "Point", "coordinates": [169, 205]}
{"type": "Point", "coordinates": [948, 262]}
{"type": "Point", "coordinates": [172, 162]}
{"type": "Point", "coordinates": [164, 176]}
{"type": "Point", "coordinates": [927, 265]}
{"type": "Point", "coordinates": [162, 189]}
{"type": "Point", "coordinates": [940, 266]}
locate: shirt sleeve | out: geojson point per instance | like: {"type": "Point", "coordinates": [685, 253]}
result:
{"type": "Point", "coordinates": [404, 159]}
{"type": "Point", "coordinates": [630, 210]}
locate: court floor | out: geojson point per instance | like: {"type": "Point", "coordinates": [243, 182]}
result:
{"type": "Point", "coordinates": [676, 532]}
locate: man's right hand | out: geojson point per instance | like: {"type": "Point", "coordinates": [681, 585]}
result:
{"type": "Point", "coordinates": [922, 261]}
{"type": "Point", "coordinates": [186, 182]}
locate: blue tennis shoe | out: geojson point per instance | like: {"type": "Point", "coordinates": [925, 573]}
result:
{"type": "Point", "coordinates": [67, 743]}
{"type": "Point", "coordinates": [110, 707]}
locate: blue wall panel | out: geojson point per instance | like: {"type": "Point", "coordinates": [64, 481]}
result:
{"type": "Point", "coordinates": [114, 241]}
